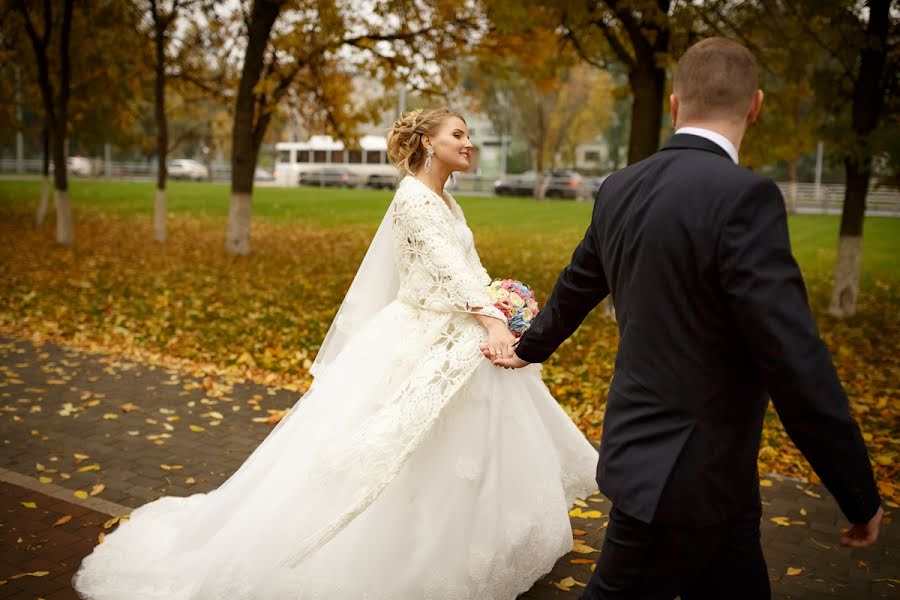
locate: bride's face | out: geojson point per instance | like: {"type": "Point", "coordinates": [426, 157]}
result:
{"type": "Point", "coordinates": [452, 146]}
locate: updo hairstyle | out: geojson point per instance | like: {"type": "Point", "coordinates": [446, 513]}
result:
{"type": "Point", "coordinates": [404, 142]}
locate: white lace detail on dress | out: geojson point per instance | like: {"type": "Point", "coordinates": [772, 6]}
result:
{"type": "Point", "coordinates": [435, 254]}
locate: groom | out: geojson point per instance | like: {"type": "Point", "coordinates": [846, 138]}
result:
{"type": "Point", "coordinates": [713, 321]}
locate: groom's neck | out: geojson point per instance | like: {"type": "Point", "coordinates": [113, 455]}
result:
{"type": "Point", "coordinates": [731, 130]}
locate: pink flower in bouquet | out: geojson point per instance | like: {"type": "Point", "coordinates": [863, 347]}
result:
{"type": "Point", "coordinates": [516, 301]}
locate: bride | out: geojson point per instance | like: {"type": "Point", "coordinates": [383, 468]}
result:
{"type": "Point", "coordinates": [412, 468]}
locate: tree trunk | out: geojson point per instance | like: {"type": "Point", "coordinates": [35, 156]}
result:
{"type": "Point", "coordinates": [249, 127]}
{"type": "Point", "coordinates": [537, 165]}
{"type": "Point", "coordinates": [239, 221]}
{"type": "Point", "coordinates": [159, 216]}
{"type": "Point", "coordinates": [648, 84]}
{"type": "Point", "coordinates": [792, 187]}
{"type": "Point", "coordinates": [65, 232]}
{"type": "Point", "coordinates": [867, 105]}
{"type": "Point", "coordinates": [55, 107]}
{"type": "Point", "coordinates": [648, 31]}
{"type": "Point", "coordinates": [41, 213]}
{"type": "Point", "coordinates": [849, 256]}
{"type": "Point", "coordinates": [160, 24]}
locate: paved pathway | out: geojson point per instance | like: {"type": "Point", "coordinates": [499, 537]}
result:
{"type": "Point", "coordinates": [120, 434]}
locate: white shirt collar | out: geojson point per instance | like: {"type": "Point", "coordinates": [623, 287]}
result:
{"type": "Point", "coordinates": [716, 138]}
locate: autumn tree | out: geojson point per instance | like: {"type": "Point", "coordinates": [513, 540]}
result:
{"type": "Point", "coordinates": [313, 50]}
{"type": "Point", "coordinates": [793, 118]}
{"type": "Point", "coordinates": [637, 34]}
{"type": "Point", "coordinates": [91, 90]}
{"type": "Point", "coordinates": [39, 24]}
{"type": "Point", "coordinates": [872, 76]}
{"type": "Point", "coordinates": [848, 54]}
{"type": "Point", "coordinates": [162, 16]}
{"type": "Point", "coordinates": [530, 87]}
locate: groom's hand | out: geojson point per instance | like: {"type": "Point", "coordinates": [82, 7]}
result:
{"type": "Point", "coordinates": [863, 535]}
{"type": "Point", "coordinates": [512, 362]}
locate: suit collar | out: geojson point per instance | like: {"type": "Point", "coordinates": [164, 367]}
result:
{"type": "Point", "coordinates": [682, 141]}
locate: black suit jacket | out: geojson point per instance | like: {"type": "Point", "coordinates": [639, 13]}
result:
{"type": "Point", "coordinates": [713, 320]}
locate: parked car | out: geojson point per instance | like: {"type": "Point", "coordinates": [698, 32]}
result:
{"type": "Point", "coordinates": [593, 185]}
{"type": "Point", "coordinates": [79, 165]}
{"type": "Point", "coordinates": [516, 185]}
{"type": "Point", "coordinates": [330, 177]}
{"type": "Point", "coordinates": [381, 182]}
{"type": "Point", "coordinates": [565, 184]}
{"type": "Point", "coordinates": [186, 168]}
{"type": "Point", "coordinates": [559, 184]}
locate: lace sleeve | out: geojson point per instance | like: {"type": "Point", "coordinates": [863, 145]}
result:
{"type": "Point", "coordinates": [434, 271]}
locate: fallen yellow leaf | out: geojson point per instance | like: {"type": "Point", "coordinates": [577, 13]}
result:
{"type": "Point", "coordinates": [885, 460]}
{"type": "Point", "coordinates": [63, 520]}
{"type": "Point", "coordinates": [197, 428]}
{"type": "Point", "coordinates": [765, 483]}
{"type": "Point", "coordinates": [80, 494]}
{"type": "Point", "coordinates": [98, 489]}
{"type": "Point", "coordinates": [582, 548]}
{"type": "Point", "coordinates": [29, 504]}
{"type": "Point", "coordinates": [45, 479]}
{"type": "Point", "coordinates": [565, 585]}
{"type": "Point", "coordinates": [93, 467]}
{"type": "Point", "coordinates": [31, 574]}
{"type": "Point", "coordinates": [585, 514]}
{"type": "Point", "coordinates": [792, 571]}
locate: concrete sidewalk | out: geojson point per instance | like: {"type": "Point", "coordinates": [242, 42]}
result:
{"type": "Point", "coordinates": [73, 422]}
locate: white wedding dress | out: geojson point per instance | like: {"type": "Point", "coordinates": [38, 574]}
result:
{"type": "Point", "coordinates": [412, 469]}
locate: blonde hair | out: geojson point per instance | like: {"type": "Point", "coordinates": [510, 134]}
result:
{"type": "Point", "coordinates": [715, 78]}
{"type": "Point", "coordinates": [404, 142]}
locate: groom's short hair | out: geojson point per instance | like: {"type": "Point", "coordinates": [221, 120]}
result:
{"type": "Point", "coordinates": [715, 79]}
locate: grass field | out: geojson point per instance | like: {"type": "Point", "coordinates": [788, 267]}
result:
{"type": "Point", "coordinates": [814, 237]}
{"type": "Point", "coordinates": [264, 315]}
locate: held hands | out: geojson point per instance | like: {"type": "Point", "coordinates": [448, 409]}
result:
{"type": "Point", "coordinates": [863, 535]}
{"type": "Point", "coordinates": [500, 347]}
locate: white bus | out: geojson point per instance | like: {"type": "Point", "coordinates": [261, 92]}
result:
{"type": "Point", "coordinates": [322, 158]}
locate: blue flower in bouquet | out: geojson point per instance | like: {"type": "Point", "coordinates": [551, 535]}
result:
{"type": "Point", "coordinates": [516, 301]}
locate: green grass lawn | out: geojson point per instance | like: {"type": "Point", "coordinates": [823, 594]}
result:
{"type": "Point", "coordinates": [814, 237]}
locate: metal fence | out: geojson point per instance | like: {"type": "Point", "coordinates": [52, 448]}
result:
{"type": "Point", "coordinates": [806, 197]}
{"type": "Point", "coordinates": [812, 198]}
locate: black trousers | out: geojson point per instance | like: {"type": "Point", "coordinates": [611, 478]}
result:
{"type": "Point", "coordinates": [641, 561]}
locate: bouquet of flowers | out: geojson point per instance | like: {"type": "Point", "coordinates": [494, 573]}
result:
{"type": "Point", "coordinates": [516, 301]}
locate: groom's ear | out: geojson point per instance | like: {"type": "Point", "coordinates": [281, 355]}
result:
{"type": "Point", "coordinates": [755, 106]}
{"type": "Point", "coordinates": [673, 109]}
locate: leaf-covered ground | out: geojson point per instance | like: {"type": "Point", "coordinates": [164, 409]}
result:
{"type": "Point", "coordinates": [263, 316]}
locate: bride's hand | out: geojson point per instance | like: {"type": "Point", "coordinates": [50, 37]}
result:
{"type": "Point", "coordinates": [501, 343]}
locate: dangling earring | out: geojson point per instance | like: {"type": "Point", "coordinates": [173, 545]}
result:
{"type": "Point", "coordinates": [430, 153]}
